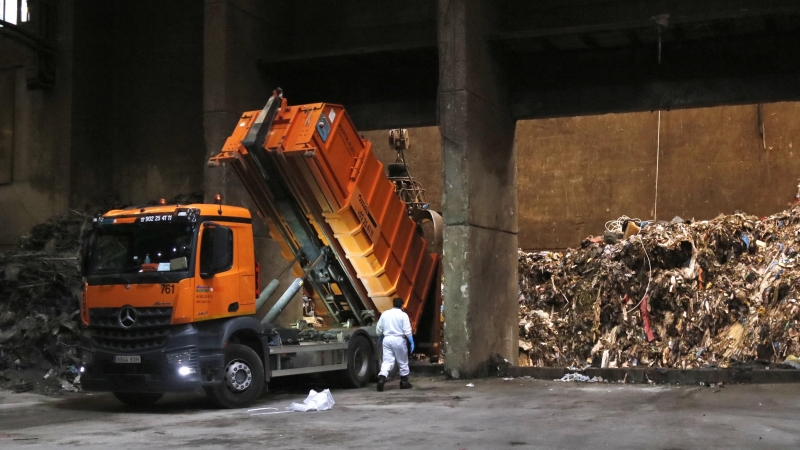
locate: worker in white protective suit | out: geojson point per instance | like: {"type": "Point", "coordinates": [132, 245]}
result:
{"type": "Point", "coordinates": [395, 327]}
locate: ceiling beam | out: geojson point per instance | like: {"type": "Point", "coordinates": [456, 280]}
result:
{"type": "Point", "coordinates": [529, 34]}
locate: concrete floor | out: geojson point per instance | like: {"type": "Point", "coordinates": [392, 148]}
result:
{"type": "Point", "coordinates": [437, 414]}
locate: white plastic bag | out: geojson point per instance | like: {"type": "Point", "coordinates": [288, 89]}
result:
{"type": "Point", "coordinates": [316, 401]}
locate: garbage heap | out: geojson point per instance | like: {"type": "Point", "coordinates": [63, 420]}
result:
{"type": "Point", "coordinates": [678, 294]}
{"type": "Point", "coordinates": [40, 286]}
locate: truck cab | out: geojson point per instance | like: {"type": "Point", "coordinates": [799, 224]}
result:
{"type": "Point", "coordinates": [157, 282]}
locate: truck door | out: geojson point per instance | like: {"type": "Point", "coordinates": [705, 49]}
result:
{"type": "Point", "coordinates": [217, 290]}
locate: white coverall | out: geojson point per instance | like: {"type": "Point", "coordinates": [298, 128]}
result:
{"type": "Point", "coordinates": [394, 326]}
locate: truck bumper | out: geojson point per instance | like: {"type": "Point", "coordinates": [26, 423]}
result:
{"type": "Point", "coordinates": [198, 366]}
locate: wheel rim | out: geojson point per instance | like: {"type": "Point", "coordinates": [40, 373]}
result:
{"type": "Point", "coordinates": [361, 363]}
{"type": "Point", "coordinates": [238, 376]}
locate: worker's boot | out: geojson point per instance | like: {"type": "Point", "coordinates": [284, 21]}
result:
{"type": "Point", "coordinates": [381, 382]}
{"type": "Point", "coordinates": [404, 384]}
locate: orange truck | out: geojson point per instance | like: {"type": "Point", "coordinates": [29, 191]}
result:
{"type": "Point", "coordinates": [171, 292]}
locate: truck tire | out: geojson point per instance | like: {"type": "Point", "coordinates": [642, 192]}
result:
{"type": "Point", "coordinates": [243, 378]}
{"type": "Point", "coordinates": [138, 399]}
{"type": "Point", "coordinates": [360, 364]}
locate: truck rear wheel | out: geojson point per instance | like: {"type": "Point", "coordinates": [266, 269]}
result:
{"type": "Point", "coordinates": [243, 378]}
{"type": "Point", "coordinates": [138, 399]}
{"type": "Point", "coordinates": [360, 364]}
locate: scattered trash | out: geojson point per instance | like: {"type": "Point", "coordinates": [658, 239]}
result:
{"type": "Point", "coordinates": [580, 377]}
{"type": "Point", "coordinates": [793, 361]}
{"type": "Point", "coordinates": [261, 409]}
{"type": "Point", "coordinates": [40, 286]}
{"type": "Point", "coordinates": [316, 401]}
{"type": "Point", "coordinates": [507, 379]}
{"type": "Point", "coordinates": [680, 294]}
{"type": "Point", "coordinates": [470, 385]}
{"type": "Point", "coordinates": [24, 386]}
{"type": "Point", "coordinates": [266, 411]}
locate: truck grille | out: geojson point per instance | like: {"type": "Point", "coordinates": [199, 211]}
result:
{"type": "Point", "coordinates": [148, 331]}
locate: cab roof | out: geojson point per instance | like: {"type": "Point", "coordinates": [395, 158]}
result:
{"type": "Point", "coordinates": [205, 210]}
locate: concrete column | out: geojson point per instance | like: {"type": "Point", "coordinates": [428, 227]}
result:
{"type": "Point", "coordinates": [479, 193]}
{"type": "Point", "coordinates": [236, 34]}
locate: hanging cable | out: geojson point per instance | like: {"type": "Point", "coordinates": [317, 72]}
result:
{"type": "Point", "coordinates": [658, 153]}
{"type": "Point", "coordinates": [659, 45]}
{"type": "Point", "coordinates": [662, 22]}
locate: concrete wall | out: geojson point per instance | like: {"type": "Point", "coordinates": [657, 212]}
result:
{"type": "Point", "coordinates": [138, 101]}
{"type": "Point", "coordinates": [576, 173]}
{"type": "Point", "coordinates": [336, 25]}
{"type": "Point", "coordinates": [39, 134]}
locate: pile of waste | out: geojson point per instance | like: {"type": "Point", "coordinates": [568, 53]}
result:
{"type": "Point", "coordinates": [679, 294]}
{"type": "Point", "coordinates": [40, 286]}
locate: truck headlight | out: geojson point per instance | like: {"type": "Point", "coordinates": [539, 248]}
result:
{"type": "Point", "coordinates": [181, 357]}
{"type": "Point", "coordinates": [186, 370]}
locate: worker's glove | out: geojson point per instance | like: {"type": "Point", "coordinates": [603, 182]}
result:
{"type": "Point", "coordinates": [411, 342]}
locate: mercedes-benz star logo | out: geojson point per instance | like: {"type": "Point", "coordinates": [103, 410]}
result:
{"type": "Point", "coordinates": [127, 317]}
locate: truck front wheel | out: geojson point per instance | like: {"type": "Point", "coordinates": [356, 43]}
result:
{"type": "Point", "coordinates": [243, 378]}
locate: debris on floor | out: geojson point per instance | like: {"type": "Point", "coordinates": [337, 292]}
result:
{"type": "Point", "coordinates": [316, 401]}
{"type": "Point", "coordinates": [678, 294]}
{"type": "Point", "coordinates": [267, 411]}
{"type": "Point", "coordinates": [579, 377]}
{"type": "Point", "coordinates": [39, 311]}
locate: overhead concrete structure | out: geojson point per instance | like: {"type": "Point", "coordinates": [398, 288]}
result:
{"type": "Point", "coordinates": [578, 57]}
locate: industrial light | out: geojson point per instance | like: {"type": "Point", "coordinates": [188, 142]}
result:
{"type": "Point", "coordinates": [83, 369]}
{"type": "Point", "coordinates": [186, 370]}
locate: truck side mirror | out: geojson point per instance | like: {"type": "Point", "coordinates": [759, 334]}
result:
{"type": "Point", "coordinates": [87, 242]}
{"type": "Point", "coordinates": [216, 250]}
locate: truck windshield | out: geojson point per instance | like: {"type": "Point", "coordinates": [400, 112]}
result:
{"type": "Point", "coordinates": [141, 248]}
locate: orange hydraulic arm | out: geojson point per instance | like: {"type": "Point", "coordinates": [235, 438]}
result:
{"type": "Point", "coordinates": [321, 190]}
